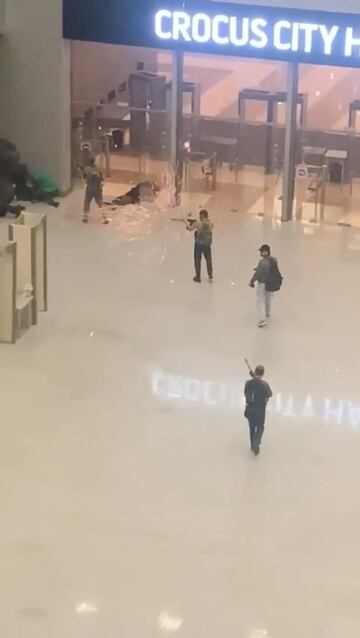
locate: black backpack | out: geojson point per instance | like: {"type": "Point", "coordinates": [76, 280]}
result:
{"type": "Point", "coordinates": [275, 279]}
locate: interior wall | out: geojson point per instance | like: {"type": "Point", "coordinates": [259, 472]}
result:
{"type": "Point", "coordinates": [2, 16]}
{"type": "Point", "coordinates": [329, 89]}
{"type": "Point", "coordinates": [221, 79]}
{"type": "Point", "coordinates": [99, 68]}
{"type": "Point", "coordinates": [35, 86]}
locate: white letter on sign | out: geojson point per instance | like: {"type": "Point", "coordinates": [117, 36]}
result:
{"type": "Point", "coordinates": [201, 27]}
{"type": "Point", "coordinates": [309, 30]}
{"type": "Point", "coordinates": [234, 39]}
{"type": "Point", "coordinates": [181, 26]}
{"type": "Point", "coordinates": [159, 26]}
{"type": "Point", "coordinates": [328, 37]}
{"type": "Point", "coordinates": [257, 27]}
{"type": "Point", "coordinates": [217, 21]}
{"type": "Point", "coordinates": [350, 42]}
{"type": "Point", "coordinates": [279, 27]}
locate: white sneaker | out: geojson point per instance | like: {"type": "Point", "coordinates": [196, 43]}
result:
{"type": "Point", "coordinates": [261, 324]}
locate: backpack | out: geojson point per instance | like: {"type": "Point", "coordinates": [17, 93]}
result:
{"type": "Point", "coordinates": [275, 279]}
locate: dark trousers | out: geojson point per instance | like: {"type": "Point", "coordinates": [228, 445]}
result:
{"type": "Point", "coordinates": [91, 194]}
{"type": "Point", "coordinates": [256, 424]}
{"type": "Point", "coordinates": [199, 251]}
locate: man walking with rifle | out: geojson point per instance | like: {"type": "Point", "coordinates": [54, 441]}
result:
{"type": "Point", "coordinates": [203, 240]}
{"type": "Point", "coordinates": [257, 393]}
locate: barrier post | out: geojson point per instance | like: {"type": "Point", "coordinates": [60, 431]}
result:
{"type": "Point", "coordinates": [176, 154]}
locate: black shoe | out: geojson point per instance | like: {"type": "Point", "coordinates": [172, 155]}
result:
{"type": "Point", "coordinates": [198, 281]}
{"type": "Point", "coordinates": [256, 451]}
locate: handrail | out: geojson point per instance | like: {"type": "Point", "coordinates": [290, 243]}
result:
{"type": "Point", "coordinates": [122, 105]}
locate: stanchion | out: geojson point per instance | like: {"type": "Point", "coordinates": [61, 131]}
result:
{"type": "Point", "coordinates": [186, 182]}
{"type": "Point", "coordinates": [323, 177]}
{"type": "Point", "coordinates": [214, 172]}
{"type": "Point", "coordinates": [142, 166]}
{"type": "Point", "coordinates": [107, 155]}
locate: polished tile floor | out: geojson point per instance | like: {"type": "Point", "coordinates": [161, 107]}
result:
{"type": "Point", "coordinates": [130, 504]}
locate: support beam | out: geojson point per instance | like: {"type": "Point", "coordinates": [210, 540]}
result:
{"type": "Point", "coordinates": [269, 137]}
{"type": "Point", "coordinates": [290, 141]}
{"type": "Point", "coordinates": [176, 156]}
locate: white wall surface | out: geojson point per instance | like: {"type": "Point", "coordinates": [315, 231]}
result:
{"type": "Point", "coordinates": [2, 15]}
{"type": "Point", "coordinates": [97, 68]}
{"type": "Point", "coordinates": [35, 86]}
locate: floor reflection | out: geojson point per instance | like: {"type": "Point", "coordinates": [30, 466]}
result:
{"type": "Point", "coordinates": [340, 411]}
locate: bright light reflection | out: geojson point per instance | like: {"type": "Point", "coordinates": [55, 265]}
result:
{"type": "Point", "coordinates": [86, 608]}
{"type": "Point", "coordinates": [169, 623]}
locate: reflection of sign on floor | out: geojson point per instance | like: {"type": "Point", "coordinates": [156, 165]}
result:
{"type": "Point", "coordinates": [302, 171]}
{"type": "Point", "coordinates": [231, 396]}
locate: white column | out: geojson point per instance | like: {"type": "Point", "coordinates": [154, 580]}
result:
{"type": "Point", "coordinates": [290, 140]}
{"type": "Point", "coordinates": [35, 87]}
{"type": "Point", "coordinates": [2, 16]}
{"type": "Point", "coordinates": [176, 121]}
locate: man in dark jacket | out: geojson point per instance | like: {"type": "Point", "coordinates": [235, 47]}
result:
{"type": "Point", "coordinates": [203, 241]}
{"type": "Point", "coordinates": [257, 393]}
{"type": "Point", "coordinates": [261, 276]}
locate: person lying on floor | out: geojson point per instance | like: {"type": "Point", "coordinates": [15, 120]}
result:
{"type": "Point", "coordinates": [142, 192]}
{"type": "Point", "coordinates": [30, 188]}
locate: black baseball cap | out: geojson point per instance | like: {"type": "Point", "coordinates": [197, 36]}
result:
{"type": "Point", "coordinates": [264, 247]}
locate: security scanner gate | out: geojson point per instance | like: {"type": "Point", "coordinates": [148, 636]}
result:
{"type": "Point", "coordinates": [147, 106]}
{"type": "Point", "coordinates": [191, 93]}
{"type": "Point", "coordinates": [272, 100]}
{"type": "Point", "coordinates": [354, 109]}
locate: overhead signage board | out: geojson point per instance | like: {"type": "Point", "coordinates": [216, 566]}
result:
{"type": "Point", "coordinates": [289, 35]}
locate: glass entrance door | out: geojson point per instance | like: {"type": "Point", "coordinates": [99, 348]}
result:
{"type": "Point", "coordinates": [234, 141]}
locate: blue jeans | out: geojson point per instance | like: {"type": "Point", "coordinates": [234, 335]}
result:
{"type": "Point", "coordinates": [264, 299]}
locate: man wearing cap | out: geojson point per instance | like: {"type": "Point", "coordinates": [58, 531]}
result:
{"type": "Point", "coordinates": [261, 276]}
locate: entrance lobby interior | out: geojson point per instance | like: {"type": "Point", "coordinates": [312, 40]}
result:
{"type": "Point", "coordinates": [131, 504]}
{"type": "Point", "coordinates": [233, 129]}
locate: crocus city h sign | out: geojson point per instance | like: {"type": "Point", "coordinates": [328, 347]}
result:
{"type": "Point", "coordinates": [258, 33]}
{"type": "Point", "coordinates": [222, 28]}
